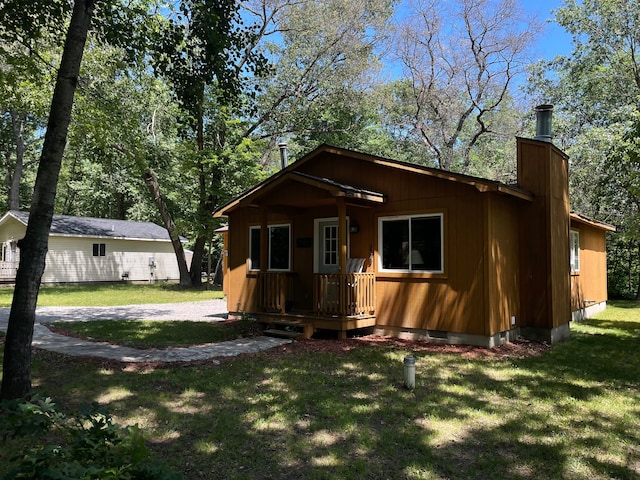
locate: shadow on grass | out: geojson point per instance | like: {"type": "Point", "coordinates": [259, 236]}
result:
{"type": "Point", "coordinates": [571, 413]}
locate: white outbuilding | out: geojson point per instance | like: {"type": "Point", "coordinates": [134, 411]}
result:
{"type": "Point", "coordinates": [84, 249]}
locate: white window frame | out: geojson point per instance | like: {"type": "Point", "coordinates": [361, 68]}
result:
{"type": "Point", "coordinates": [408, 218]}
{"type": "Point", "coordinates": [574, 250]}
{"type": "Point", "coordinates": [269, 228]}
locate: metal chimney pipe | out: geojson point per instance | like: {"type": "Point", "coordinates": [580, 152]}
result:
{"type": "Point", "coordinates": [284, 154]}
{"type": "Point", "coordinates": [543, 123]}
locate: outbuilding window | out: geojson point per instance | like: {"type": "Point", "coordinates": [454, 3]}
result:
{"type": "Point", "coordinates": [99, 249]}
{"type": "Point", "coordinates": [412, 243]}
{"type": "Point", "coordinates": [574, 239]}
{"type": "Point", "coordinates": [279, 248]}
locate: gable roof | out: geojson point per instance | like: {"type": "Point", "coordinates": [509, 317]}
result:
{"type": "Point", "coordinates": [337, 189]}
{"type": "Point", "coordinates": [64, 225]}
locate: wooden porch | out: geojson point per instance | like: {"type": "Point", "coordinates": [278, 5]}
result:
{"type": "Point", "coordinates": [341, 302]}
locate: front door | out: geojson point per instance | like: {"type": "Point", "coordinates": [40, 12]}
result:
{"type": "Point", "coordinates": [327, 245]}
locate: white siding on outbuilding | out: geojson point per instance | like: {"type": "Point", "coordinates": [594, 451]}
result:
{"type": "Point", "coordinates": [70, 259]}
{"type": "Point", "coordinates": [12, 230]}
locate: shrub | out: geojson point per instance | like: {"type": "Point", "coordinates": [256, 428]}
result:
{"type": "Point", "coordinates": [88, 446]}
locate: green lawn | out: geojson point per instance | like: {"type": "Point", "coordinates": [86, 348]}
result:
{"type": "Point", "coordinates": [570, 413]}
{"type": "Point", "coordinates": [158, 334]}
{"type": "Point", "coordinates": [105, 295]}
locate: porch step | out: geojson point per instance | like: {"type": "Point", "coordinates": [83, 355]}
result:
{"type": "Point", "coordinates": [288, 329]}
{"type": "Point", "coordinates": [276, 332]}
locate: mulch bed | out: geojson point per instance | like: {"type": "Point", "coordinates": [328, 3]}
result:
{"type": "Point", "coordinates": [518, 349]}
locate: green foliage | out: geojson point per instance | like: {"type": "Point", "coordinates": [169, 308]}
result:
{"type": "Point", "coordinates": [88, 446]}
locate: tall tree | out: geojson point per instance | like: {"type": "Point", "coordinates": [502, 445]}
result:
{"type": "Point", "coordinates": [16, 380]}
{"type": "Point", "coordinates": [325, 63]}
{"type": "Point", "coordinates": [205, 50]}
{"type": "Point", "coordinates": [26, 90]}
{"type": "Point", "coordinates": [596, 90]}
{"type": "Point", "coordinates": [459, 61]}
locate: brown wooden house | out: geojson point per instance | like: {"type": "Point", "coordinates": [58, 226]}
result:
{"type": "Point", "coordinates": [343, 240]}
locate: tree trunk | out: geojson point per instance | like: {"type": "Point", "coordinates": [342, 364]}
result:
{"type": "Point", "coordinates": [16, 380]}
{"type": "Point", "coordinates": [196, 261]}
{"type": "Point", "coordinates": [151, 181]}
{"type": "Point", "coordinates": [16, 176]}
{"type": "Point", "coordinates": [638, 290]}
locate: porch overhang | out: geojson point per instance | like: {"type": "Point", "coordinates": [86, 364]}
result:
{"type": "Point", "coordinates": [331, 189]}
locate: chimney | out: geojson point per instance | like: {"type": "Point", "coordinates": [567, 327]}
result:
{"type": "Point", "coordinates": [284, 155]}
{"type": "Point", "coordinates": [543, 123]}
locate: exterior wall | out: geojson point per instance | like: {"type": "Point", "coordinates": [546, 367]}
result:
{"type": "Point", "coordinates": [544, 248]}
{"type": "Point", "coordinates": [502, 266]}
{"type": "Point", "coordinates": [472, 297]}
{"type": "Point", "coordinates": [12, 230]}
{"type": "Point", "coordinates": [454, 300]}
{"type": "Point", "coordinates": [589, 284]}
{"type": "Point", "coordinates": [506, 258]}
{"type": "Point", "coordinates": [70, 259]}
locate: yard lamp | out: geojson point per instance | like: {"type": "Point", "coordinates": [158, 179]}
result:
{"type": "Point", "coordinates": [410, 372]}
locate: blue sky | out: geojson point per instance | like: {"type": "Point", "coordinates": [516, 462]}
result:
{"type": "Point", "coordinates": [554, 40]}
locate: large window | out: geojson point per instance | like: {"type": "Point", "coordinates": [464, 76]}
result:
{"type": "Point", "coordinates": [574, 238]}
{"type": "Point", "coordinates": [412, 243]}
{"type": "Point", "coordinates": [279, 247]}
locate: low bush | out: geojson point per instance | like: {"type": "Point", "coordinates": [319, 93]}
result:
{"type": "Point", "coordinates": [88, 446]}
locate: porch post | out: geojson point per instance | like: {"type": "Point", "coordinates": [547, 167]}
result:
{"type": "Point", "coordinates": [342, 233]}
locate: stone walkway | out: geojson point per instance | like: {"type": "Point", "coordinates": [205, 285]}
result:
{"type": "Point", "coordinates": [210, 310]}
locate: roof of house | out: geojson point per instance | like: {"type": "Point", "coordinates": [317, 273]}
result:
{"type": "Point", "coordinates": [580, 218]}
{"type": "Point", "coordinates": [64, 225]}
{"type": "Point", "coordinates": [337, 189]}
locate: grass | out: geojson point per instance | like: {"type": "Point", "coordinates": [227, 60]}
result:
{"type": "Point", "coordinates": [571, 413]}
{"type": "Point", "coordinates": [108, 295]}
{"type": "Point", "coordinates": [158, 334]}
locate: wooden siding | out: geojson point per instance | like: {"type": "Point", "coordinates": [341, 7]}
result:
{"type": "Point", "coordinates": [502, 267]}
{"type": "Point", "coordinates": [589, 283]}
{"type": "Point", "coordinates": [544, 233]}
{"type": "Point", "coordinates": [454, 300]}
{"type": "Point", "coordinates": [505, 256]}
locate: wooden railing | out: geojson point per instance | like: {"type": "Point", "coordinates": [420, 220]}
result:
{"type": "Point", "coordinates": [274, 289]}
{"type": "Point", "coordinates": [344, 294]}
{"type": "Point", "coordinates": [8, 269]}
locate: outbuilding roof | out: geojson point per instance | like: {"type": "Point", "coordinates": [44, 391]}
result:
{"type": "Point", "coordinates": [65, 225]}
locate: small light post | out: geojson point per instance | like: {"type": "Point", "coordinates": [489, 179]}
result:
{"type": "Point", "coordinates": [410, 372]}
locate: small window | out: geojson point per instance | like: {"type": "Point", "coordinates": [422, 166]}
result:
{"type": "Point", "coordinates": [330, 245]}
{"type": "Point", "coordinates": [279, 242]}
{"type": "Point", "coordinates": [99, 249]}
{"type": "Point", "coordinates": [574, 239]}
{"type": "Point", "coordinates": [412, 243]}
{"type": "Point", "coordinates": [279, 249]}
{"type": "Point", "coordinates": [254, 248]}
